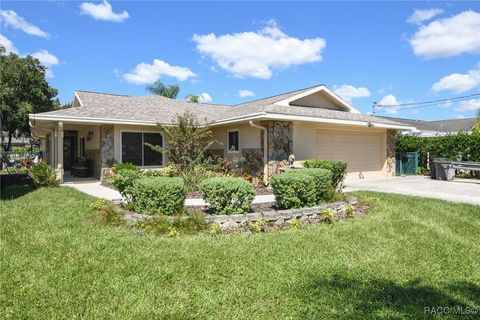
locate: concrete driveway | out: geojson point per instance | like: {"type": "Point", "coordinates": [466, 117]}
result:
{"type": "Point", "coordinates": [458, 190]}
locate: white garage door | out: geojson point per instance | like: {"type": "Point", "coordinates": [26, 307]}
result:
{"type": "Point", "coordinates": [362, 151]}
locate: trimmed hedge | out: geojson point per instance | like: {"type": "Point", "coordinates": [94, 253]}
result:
{"type": "Point", "coordinates": [294, 190]}
{"type": "Point", "coordinates": [228, 195]}
{"type": "Point", "coordinates": [298, 188]}
{"type": "Point", "coordinates": [322, 178]}
{"type": "Point", "coordinates": [338, 169]}
{"type": "Point", "coordinates": [158, 195]}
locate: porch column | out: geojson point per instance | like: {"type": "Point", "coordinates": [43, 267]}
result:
{"type": "Point", "coordinates": [60, 152]}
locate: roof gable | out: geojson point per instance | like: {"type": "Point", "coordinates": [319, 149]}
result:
{"type": "Point", "coordinates": [318, 97]}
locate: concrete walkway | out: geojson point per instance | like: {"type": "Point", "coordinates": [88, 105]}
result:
{"type": "Point", "coordinates": [94, 188]}
{"type": "Point", "coordinates": [457, 190]}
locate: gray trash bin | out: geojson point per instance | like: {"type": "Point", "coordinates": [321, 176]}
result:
{"type": "Point", "coordinates": [444, 171]}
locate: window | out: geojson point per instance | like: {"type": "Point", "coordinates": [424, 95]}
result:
{"type": "Point", "coordinates": [233, 144]}
{"type": "Point", "coordinates": [135, 151]}
{"type": "Point", "coordinates": [82, 147]}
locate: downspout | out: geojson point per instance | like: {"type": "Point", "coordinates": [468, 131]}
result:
{"type": "Point", "coordinates": [265, 150]}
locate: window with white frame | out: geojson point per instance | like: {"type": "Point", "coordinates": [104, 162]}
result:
{"type": "Point", "coordinates": [135, 150]}
{"type": "Point", "coordinates": [233, 141]}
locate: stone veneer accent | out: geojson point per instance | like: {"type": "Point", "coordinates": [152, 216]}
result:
{"type": "Point", "coordinates": [106, 149]}
{"type": "Point", "coordinates": [391, 153]}
{"type": "Point", "coordinates": [280, 217]}
{"type": "Point", "coordinates": [254, 160]}
{"type": "Point", "coordinates": [279, 139]}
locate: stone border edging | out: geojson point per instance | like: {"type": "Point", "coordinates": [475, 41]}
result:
{"type": "Point", "coordinates": [278, 217]}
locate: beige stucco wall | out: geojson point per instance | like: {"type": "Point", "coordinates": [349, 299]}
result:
{"type": "Point", "coordinates": [318, 100]}
{"type": "Point", "coordinates": [305, 144]}
{"type": "Point", "coordinates": [249, 138]}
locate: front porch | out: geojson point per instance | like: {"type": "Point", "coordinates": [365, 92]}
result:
{"type": "Point", "coordinates": [76, 151]}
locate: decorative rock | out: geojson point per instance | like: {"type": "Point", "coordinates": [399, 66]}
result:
{"type": "Point", "coordinates": [230, 225]}
{"type": "Point", "coordinates": [286, 214]}
{"type": "Point", "coordinates": [216, 219]}
{"type": "Point", "coordinates": [253, 216]}
{"type": "Point", "coordinates": [270, 215]}
{"type": "Point", "coordinates": [352, 200]}
{"type": "Point", "coordinates": [237, 218]}
{"type": "Point", "coordinates": [279, 221]}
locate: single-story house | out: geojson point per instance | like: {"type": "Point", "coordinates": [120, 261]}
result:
{"type": "Point", "coordinates": [308, 123]}
{"type": "Point", "coordinates": [437, 128]}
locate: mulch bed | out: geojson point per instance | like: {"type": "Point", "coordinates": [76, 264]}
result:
{"type": "Point", "coordinates": [260, 191]}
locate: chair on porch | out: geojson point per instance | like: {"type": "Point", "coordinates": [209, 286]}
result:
{"type": "Point", "coordinates": [82, 167]}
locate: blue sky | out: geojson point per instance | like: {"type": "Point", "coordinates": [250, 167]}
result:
{"type": "Point", "coordinates": [390, 52]}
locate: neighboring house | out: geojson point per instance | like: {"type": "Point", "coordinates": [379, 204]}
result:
{"type": "Point", "coordinates": [17, 140]}
{"type": "Point", "coordinates": [437, 127]}
{"type": "Point", "coordinates": [309, 123]}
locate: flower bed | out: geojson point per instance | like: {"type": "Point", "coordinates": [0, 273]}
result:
{"type": "Point", "coordinates": [272, 219]}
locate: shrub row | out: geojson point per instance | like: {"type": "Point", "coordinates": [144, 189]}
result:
{"type": "Point", "coordinates": [338, 169]}
{"type": "Point", "coordinates": [298, 188]}
{"type": "Point", "coordinates": [152, 192]}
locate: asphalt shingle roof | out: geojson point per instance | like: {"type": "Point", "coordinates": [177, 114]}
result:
{"type": "Point", "coordinates": [158, 109]}
{"type": "Point", "coordinates": [448, 125]}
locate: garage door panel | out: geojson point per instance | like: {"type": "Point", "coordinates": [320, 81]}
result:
{"type": "Point", "coordinates": [361, 151]}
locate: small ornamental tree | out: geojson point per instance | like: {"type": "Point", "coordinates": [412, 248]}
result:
{"type": "Point", "coordinates": [187, 141]}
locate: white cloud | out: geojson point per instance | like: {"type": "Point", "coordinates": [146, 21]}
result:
{"type": "Point", "coordinates": [459, 82]}
{"type": "Point", "coordinates": [149, 73]}
{"type": "Point", "coordinates": [245, 93]}
{"type": "Point", "coordinates": [349, 92]}
{"type": "Point", "coordinates": [47, 59]}
{"type": "Point", "coordinates": [389, 99]}
{"type": "Point", "coordinates": [12, 19]}
{"type": "Point", "coordinates": [460, 117]}
{"type": "Point", "coordinates": [257, 54]}
{"type": "Point", "coordinates": [448, 37]}
{"type": "Point", "coordinates": [468, 105]}
{"type": "Point", "coordinates": [421, 15]}
{"type": "Point", "coordinates": [9, 47]}
{"type": "Point", "coordinates": [205, 98]}
{"type": "Point", "coordinates": [102, 11]}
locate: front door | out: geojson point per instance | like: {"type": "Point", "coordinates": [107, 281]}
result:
{"type": "Point", "coordinates": [69, 149]}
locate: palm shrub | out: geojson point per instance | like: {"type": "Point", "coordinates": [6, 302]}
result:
{"type": "Point", "coordinates": [158, 195]}
{"type": "Point", "coordinates": [43, 175]}
{"type": "Point", "coordinates": [294, 190]}
{"type": "Point", "coordinates": [228, 195]}
{"type": "Point", "coordinates": [338, 169]}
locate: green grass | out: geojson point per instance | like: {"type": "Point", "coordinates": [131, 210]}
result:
{"type": "Point", "coordinates": [409, 253]}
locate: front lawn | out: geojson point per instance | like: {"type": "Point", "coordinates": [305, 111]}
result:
{"type": "Point", "coordinates": [407, 254]}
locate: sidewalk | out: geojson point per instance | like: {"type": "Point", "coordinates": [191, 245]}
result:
{"type": "Point", "coordinates": [94, 188]}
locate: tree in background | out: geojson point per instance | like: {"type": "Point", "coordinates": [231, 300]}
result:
{"type": "Point", "coordinates": [193, 98]}
{"type": "Point", "coordinates": [160, 89]}
{"type": "Point", "coordinates": [476, 128]}
{"type": "Point", "coordinates": [23, 90]}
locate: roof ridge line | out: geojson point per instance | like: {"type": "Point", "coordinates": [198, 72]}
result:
{"type": "Point", "coordinates": [278, 94]}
